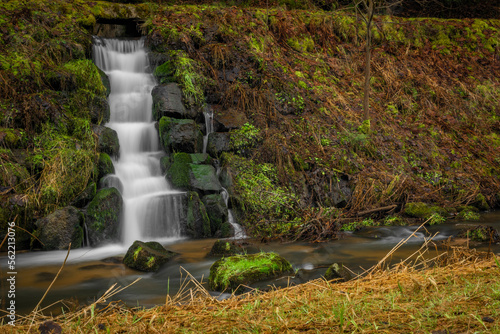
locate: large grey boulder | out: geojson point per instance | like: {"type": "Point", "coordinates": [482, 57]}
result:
{"type": "Point", "coordinates": [217, 212]}
{"type": "Point", "coordinates": [167, 101]}
{"type": "Point", "coordinates": [147, 256]}
{"type": "Point", "coordinates": [180, 135]}
{"type": "Point", "coordinates": [197, 221]}
{"type": "Point", "coordinates": [218, 142]}
{"type": "Point", "coordinates": [107, 140]}
{"type": "Point", "coordinates": [102, 216]}
{"type": "Point", "coordinates": [204, 178]}
{"type": "Point", "coordinates": [60, 228]}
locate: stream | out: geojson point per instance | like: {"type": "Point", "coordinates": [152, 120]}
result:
{"type": "Point", "coordinates": [88, 273]}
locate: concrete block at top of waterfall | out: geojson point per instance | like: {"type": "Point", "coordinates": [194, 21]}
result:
{"type": "Point", "coordinates": [107, 140]}
{"type": "Point", "coordinates": [218, 142]}
{"type": "Point", "coordinates": [167, 101]}
{"type": "Point", "coordinates": [204, 178]}
{"type": "Point", "coordinates": [60, 228]}
{"type": "Point", "coordinates": [180, 135]}
{"type": "Point", "coordinates": [217, 212]}
{"type": "Point", "coordinates": [197, 222]}
{"type": "Point", "coordinates": [102, 216]}
{"type": "Point", "coordinates": [147, 256]}
{"type": "Point", "coordinates": [228, 119]}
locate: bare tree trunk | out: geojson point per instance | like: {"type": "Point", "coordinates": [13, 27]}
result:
{"type": "Point", "coordinates": [366, 101]}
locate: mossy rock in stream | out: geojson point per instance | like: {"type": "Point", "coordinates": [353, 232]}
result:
{"type": "Point", "coordinates": [192, 172]}
{"type": "Point", "coordinates": [107, 140]}
{"type": "Point", "coordinates": [103, 216]}
{"type": "Point", "coordinates": [60, 228]}
{"type": "Point", "coordinates": [225, 248]}
{"type": "Point", "coordinates": [337, 271]}
{"type": "Point", "coordinates": [217, 212]}
{"type": "Point", "coordinates": [147, 256]}
{"type": "Point", "coordinates": [232, 272]}
{"type": "Point", "coordinates": [204, 178]}
{"type": "Point", "coordinates": [198, 222]}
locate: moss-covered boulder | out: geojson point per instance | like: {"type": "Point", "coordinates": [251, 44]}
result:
{"type": "Point", "coordinates": [339, 272]}
{"type": "Point", "coordinates": [177, 170]}
{"type": "Point", "coordinates": [147, 256]}
{"type": "Point", "coordinates": [481, 233]}
{"type": "Point", "coordinates": [60, 228]}
{"type": "Point", "coordinates": [190, 172]}
{"type": "Point", "coordinates": [217, 212]}
{"type": "Point", "coordinates": [102, 216]}
{"type": "Point", "coordinates": [225, 248]}
{"type": "Point", "coordinates": [167, 101]}
{"type": "Point", "coordinates": [423, 210]}
{"type": "Point", "coordinates": [218, 142]}
{"type": "Point", "coordinates": [111, 181]}
{"type": "Point", "coordinates": [85, 196]}
{"type": "Point", "coordinates": [232, 272]}
{"type": "Point", "coordinates": [180, 135]}
{"type": "Point", "coordinates": [481, 203]}
{"type": "Point", "coordinates": [204, 178]}
{"type": "Point", "coordinates": [197, 220]}
{"type": "Point", "coordinates": [107, 140]}
{"type": "Point", "coordinates": [105, 165]}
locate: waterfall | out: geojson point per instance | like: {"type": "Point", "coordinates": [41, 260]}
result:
{"type": "Point", "coordinates": [151, 207]}
{"type": "Point", "coordinates": [209, 127]}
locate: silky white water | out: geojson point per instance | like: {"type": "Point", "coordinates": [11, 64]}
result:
{"type": "Point", "coordinates": [151, 207]}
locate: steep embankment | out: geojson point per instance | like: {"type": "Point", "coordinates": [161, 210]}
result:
{"type": "Point", "coordinates": [286, 89]}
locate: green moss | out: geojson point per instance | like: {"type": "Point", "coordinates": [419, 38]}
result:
{"type": "Point", "coordinates": [178, 171]}
{"type": "Point", "coordinates": [105, 165]}
{"type": "Point", "coordinates": [425, 211]}
{"type": "Point", "coordinates": [303, 44]}
{"type": "Point", "coordinates": [101, 209]}
{"type": "Point", "coordinates": [86, 75]}
{"type": "Point", "coordinates": [231, 272]}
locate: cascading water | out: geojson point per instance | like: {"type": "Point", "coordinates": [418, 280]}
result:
{"type": "Point", "coordinates": [151, 208]}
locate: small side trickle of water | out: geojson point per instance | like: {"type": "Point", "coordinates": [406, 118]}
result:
{"type": "Point", "coordinates": [239, 233]}
{"type": "Point", "coordinates": [209, 126]}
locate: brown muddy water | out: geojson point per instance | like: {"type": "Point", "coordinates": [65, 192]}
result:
{"type": "Point", "coordinates": [88, 273]}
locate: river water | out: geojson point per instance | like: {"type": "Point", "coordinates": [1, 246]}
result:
{"type": "Point", "coordinates": [90, 272]}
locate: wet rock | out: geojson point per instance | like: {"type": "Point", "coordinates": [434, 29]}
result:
{"type": "Point", "coordinates": [107, 140]}
{"type": "Point", "coordinates": [218, 142]}
{"type": "Point", "coordinates": [225, 248]}
{"type": "Point", "coordinates": [105, 165]}
{"type": "Point", "coordinates": [481, 233]}
{"type": "Point", "coordinates": [111, 181]}
{"type": "Point", "coordinates": [102, 216]}
{"type": "Point", "coordinates": [338, 271]}
{"type": "Point", "coordinates": [86, 196]}
{"type": "Point", "coordinates": [180, 135]}
{"type": "Point", "coordinates": [99, 110]}
{"type": "Point", "coordinates": [167, 101]}
{"type": "Point", "coordinates": [177, 167]}
{"type": "Point", "coordinates": [204, 178]}
{"type": "Point", "coordinates": [228, 119]}
{"type": "Point", "coordinates": [341, 193]}
{"type": "Point", "coordinates": [197, 220]}
{"type": "Point", "coordinates": [147, 256]}
{"type": "Point", "coordinates": [60, 228]}
{"type": "Point", "coordinates": [234, 271]}
{"type": "Point", "coordinates": [423, 210]}
{"type": "Point", "coordinates": [217, 212]}
{"type": "Point", "coordinates": [105, 81]}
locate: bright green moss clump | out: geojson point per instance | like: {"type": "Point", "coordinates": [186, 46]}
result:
{"type": "Point", "coordinates": [231, 272]}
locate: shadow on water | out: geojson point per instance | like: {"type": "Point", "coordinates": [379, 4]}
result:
{"type": "Point", "coordinates": [90, 272]}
